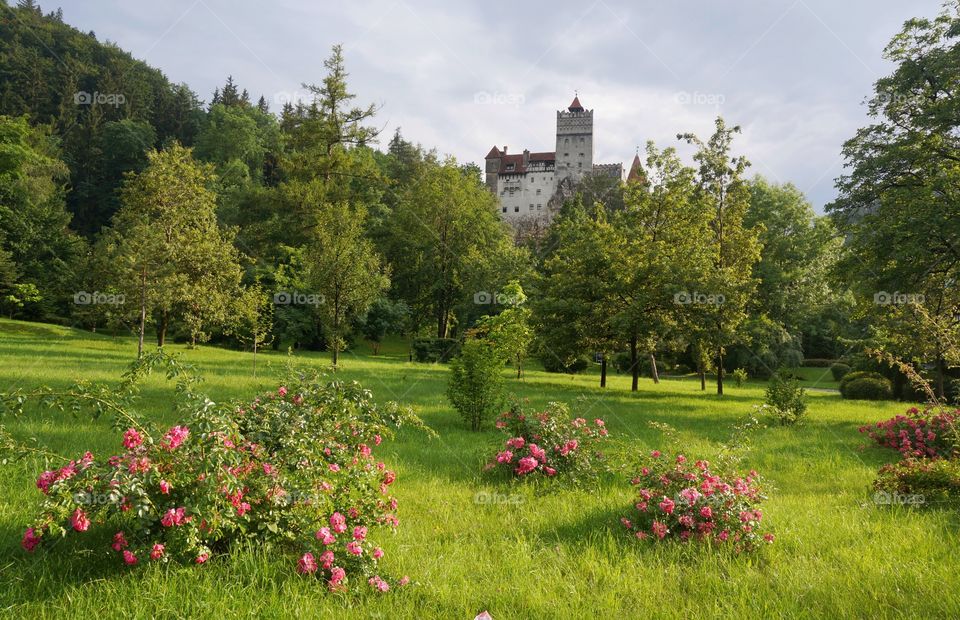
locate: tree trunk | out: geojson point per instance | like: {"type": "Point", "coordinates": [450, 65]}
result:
{"type": "Point", "coordinates": [442, 322]}
{"type": "Point", "coordinates": [653, 369]}
{"type": "Point", "coordinates": [519, 367]}
{"type": "Point", "coordinates": [603, 371]}
{"type": "Point", "coordinates": [162, 328]}
{"type": "Point", "coordinates": [143, 311]}
{"type": "Point", "coordinates": [703, 378]}
{"type": "Point", "coordinates": [254, 358]}
{"type": "Point", "coordinates": [634, 365]}
{"type": "Point", "coordinates": [720, 371]}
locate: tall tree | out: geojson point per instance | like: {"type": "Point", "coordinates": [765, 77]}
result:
{"type": "Point", "coordinates": [168, 251]}
{"type": "Point", "coordinates": [34, 224]}
{"type": "Point", "coordinates": [344, 268]}
{"type": "Point", "coordinates": [733, 247]}
{"type": "Point", "coordinates": [443, 229]}
{"type": "Point", "coordinates": [898, 206]}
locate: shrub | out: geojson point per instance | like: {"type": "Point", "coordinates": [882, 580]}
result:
{"type": "Point", "coordinates": [862, 385]}
{"type": "Point", "coordinates": [920, 434]}
{"type": "Point", "coordinates": [293, 470]}
{"type": "Point", "coordinates": [476, 381]}
{"type": "Point", "coordinates": [677, 499]}
{"type": "Point", "coordinates": [839, 370]}
{"type": "Point", "coordinates": [549, 444]}
{"type": "Point", "coordinates": [435, 349]}
{"type": "Point", "coordinates": [791, 358]}
{"type": "Point", "coordinates": [740, 376]}
{"type": "Point", "coordinates": [786, 399]}
{"type": "Point", "coordinates": [918, 482]}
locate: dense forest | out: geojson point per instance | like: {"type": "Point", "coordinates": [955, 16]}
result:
{"type": "Point", "coordinates": [131, 203]}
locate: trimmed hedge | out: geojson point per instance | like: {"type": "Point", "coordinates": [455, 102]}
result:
{"type": "Point", "coordinates": [862, 385]}
{"type": "Point", "coordinates": [839, 370]}
{"type": "Point", "coordinates": [818, 362]}
{"type": "Point", "coordinates": [435, 349]}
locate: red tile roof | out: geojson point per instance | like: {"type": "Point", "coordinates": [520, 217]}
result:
{"type": "Point", "coordinates": [575, 106]}
{"type": "Point", "coordinates": [517, 161]}
{"type": "Point", "coordinates": [494, 153]}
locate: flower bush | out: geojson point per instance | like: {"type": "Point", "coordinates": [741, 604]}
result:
{"type": "Point", "coordinates": [687, 501]}
{"type": "Point", "coordinates": [918, 482]}
{"type": "Point", "coordinates": [294, 469]}
{"type": "Point", "coordinates": [548, 444]}
{"type": "Point", "coordinates": [917, 434]}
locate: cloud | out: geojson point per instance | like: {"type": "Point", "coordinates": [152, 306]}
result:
{"type": "Point", "coordinates": [461, 77]}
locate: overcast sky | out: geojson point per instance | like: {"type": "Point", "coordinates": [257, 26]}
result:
{"type": "Point", "coordinates": [462, 77]}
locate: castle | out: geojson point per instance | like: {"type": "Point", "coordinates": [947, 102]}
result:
{"type": "Point", "coordinates": [525, 182]}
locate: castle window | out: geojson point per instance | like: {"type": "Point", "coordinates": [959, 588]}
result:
{"type": "Point", "coordinates": [516, 209]}
{"type": "Point", "coordinates": [538, 207]}
{"type": "Point", "coordinates": [504, 209]}
{"type": "Point", "coordinates": [566, 154]}
{"type": "Point", "coordinates": [582, 140]}
{"type": "Point", "coordinates": [566, 140]}
{"type": "Point", "coordinates": [531, 206]}
{"type": "Point", "coordinates": [538, 191]}
{"type": "Point", "coordinates": [581, 154]}
{"type": "Point", "coordinates": [509, 167]}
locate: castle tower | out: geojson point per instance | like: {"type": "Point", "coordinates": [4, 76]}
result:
{"type": "Point", "coordinates": [574, 142]}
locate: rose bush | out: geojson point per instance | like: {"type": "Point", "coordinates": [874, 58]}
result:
{"type": "Point", "coordinates": [918, 482]}
{"type": "Point", "coordinates": [687, 501]}
{"type": "Point", "coordinates": [917, 434]}
{"type": "Point", "coordinates": [548, 444]}
{"type": "Point", "coordinates": [294, 469]}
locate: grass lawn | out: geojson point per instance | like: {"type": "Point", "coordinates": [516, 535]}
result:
{"type": "Point", "coordinates": [557, 555]}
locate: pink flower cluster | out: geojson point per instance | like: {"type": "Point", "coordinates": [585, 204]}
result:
{"type": "Point", "coordinates": [689, 502]}
{"type": "Point", "coordinates": [548, 442]}
{"type": "Point", "coordinates": [919, 434]}
{"type": "Point", "coordinates": [175, 437]}
{"type": "Point", "coordinates": [189, 492]}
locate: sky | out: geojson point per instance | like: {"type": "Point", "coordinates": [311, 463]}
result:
{"type": "Point", "coordinates": [461, 77]}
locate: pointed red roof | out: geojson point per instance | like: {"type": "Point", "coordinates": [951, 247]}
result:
{"type": "Point", "coordinates": [636, 171]}
{"type": "Point", "coordinates": [494, 153]}
{"type": "Point", "coordinates": [575, 106]}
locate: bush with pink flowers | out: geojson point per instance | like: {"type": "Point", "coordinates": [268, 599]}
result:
{"type": "Point", "coordinates": [679, 499]}
{"type": "Point", "coordinates": [294, 469]}
{"type": "Point", "coordinates": [549, 444]}
{"type": "Point", "coordinates": [918, 434]}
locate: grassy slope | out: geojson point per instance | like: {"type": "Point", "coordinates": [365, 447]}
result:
{"type": "Point", "coordinates": [542, 556]}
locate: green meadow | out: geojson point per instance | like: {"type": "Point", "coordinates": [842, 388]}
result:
{"type": "Point", "coordinates": [470, 544]}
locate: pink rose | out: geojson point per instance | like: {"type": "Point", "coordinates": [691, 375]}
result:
{"type": "Point", "coordinates": [157, 552]}
{"type": "Point", "coordinates": [30, 540]}
{"type": "Point", "coordinates": [79, 520]}
{"type": "Point", "coordinates": [307, 565]}
{"type": "Point", "coordinates": [132, 439]}
{"type": "Point", "coordinates": [128, 558]}
{"type": "Point", "coordinates": [354, 548]}
{"type": "Point", "coordinates": [359, 532]}
{"type": "Point", "coordinates": [338, 522]}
